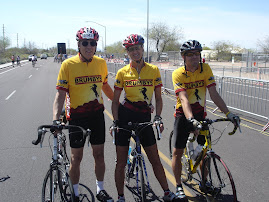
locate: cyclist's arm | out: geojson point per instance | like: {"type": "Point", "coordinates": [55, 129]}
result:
{"type": "Point", "coordinates": [183, 96]}
{"type": "Point", "coordinates": [217, 99]}
{"type": "Point", "coordinates": [108, 91]}
{"type": "Point", "coordinates": [158, 100]}
{"type": "Point", "coordinates": [115, 104]}
{"type": "Point", "coordinates": [58, 104]}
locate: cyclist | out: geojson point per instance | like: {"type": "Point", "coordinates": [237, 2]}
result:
{"type": "Point", "coordinates": [139, 80]}
{"type": "Point", "coordinates": [13, 60]}
{"type": "Point", "coordinates": [80, 82]}
{"type": "Point", "coordinates": [18, 60]}
{"type": "Point", "coordinates": [190, 83]}
{"type": "Point", "coordinates": [34, 59]}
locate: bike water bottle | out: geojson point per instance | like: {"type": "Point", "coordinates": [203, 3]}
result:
{"type": "Point", "coordinates": [129, 155]}
{"type": "Point", "coordinates": [190, 148]}
{"type": "Point", "coordinates": [197, 151]}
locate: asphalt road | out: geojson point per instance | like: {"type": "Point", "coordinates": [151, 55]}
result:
{"type": "Point", "coordinates": [26, 97]}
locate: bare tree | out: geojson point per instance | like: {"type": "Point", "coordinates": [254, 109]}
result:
{"type": "Point", "coordinates": [161, 35]}
{"type": "Point", "coordinates": [223, 48]}
{"type": "Point", "coordinates": [264, 44]}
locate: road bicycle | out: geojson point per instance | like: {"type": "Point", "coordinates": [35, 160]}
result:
{"type": "Point", "coordinates": [215, 178]}
{"type": "Point", "coordinates": [57, 184]}
{"type": "Point", "coordinates": [136, 167]}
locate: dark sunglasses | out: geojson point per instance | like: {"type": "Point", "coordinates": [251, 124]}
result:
{"type": "Point", "coordinates": [86, 43]}
{"type": "Point", "coordinates": [190, 54]}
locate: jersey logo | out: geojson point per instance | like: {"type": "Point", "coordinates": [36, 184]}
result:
{"type": "Point", "coordinates": [62, 81]}
{"type": "Point", "coordinates": [93, 88]}
{"type": "Point", "coordinates": [197, 95]}
{"type": "Point", "coordinates": [211, 78]}
{"type": "Point", "coordinates": [186, 74]}
{"type": "Point", "coordinates": [88, 79]}
{"type": "Point", "coordinates": [133, 83]}
{"type": "Point", "coordinates": [158, 79]}
{"type": "Point", "coordinates": [117, 81]}
{"type": "Point", "coordinates": [143, 91]}
{"type": "Point", "coordinates": [178, 84]}
{"type": "Point", "coordinates": [194, 85]}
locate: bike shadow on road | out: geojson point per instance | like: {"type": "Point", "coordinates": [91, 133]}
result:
{"type": "Point", "coordinates": [151, 196]}
{"type": "Point", "coordinates": [2, 179]}
{"type": "Point", "coordinates": [85, 194]}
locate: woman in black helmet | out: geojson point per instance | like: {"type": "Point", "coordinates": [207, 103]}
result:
{"type": "Point", "coordinates": [190, 83]}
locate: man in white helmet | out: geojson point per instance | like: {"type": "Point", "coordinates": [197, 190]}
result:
{"type": "Point", "coordinates": [80, 83]}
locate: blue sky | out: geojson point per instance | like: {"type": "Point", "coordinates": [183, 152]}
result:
{"type": "Point", "coordinates": [47, 23]}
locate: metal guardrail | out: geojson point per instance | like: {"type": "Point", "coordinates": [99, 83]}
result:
{"type": "Point", "coordinates": [246, 95]}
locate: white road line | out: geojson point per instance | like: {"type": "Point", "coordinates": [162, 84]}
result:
{"type": "Point", "coordinates": [246, 95]}
{"type": "Point", "coordinates": [9, 70]}
{"type": "Point", "coordinates": [11, 94]}
{"type": "Point", "coordinates": [30, 76]}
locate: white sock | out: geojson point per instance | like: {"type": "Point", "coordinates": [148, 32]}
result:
{"type": "Point", "coordinates": [100, 186]}
{"type": "Point", "coordinates": [75, 186]}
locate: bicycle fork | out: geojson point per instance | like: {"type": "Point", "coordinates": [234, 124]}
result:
{"type": "Point", "coordinates": [140, 162]}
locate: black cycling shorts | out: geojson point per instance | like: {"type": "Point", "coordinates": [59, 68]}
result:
{"type": "Point", "coordinates": [146, 136]}
{"type": "Point", "coordinates": [96, 123]}
{"type": "Point", "coordinates": [181, 131]}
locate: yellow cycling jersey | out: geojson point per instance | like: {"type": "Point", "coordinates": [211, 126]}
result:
{"type": "Point", "coordinates": [138, 87]}
{"type": "Point", "coordinates": [83, 83]}
{"type": "Point", "coordinates": [195, 83]}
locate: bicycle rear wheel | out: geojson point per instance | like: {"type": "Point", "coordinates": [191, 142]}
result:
{"type": "Point", "coordinates": [57, 186]}
{"type": "Point", "coordinates": [217, 179]}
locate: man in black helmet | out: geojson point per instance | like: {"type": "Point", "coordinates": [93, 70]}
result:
{"type": "Point", "coordinates": [190, 83]}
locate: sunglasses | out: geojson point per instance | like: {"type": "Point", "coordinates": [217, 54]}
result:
{"type": "Point", "coordinates": [86, 43]}
{"type": "Point", "coordinates": [190, 54]}
{"type": "Point", "coordinates": [131, 49]}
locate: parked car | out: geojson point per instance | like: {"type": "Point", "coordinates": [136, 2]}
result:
{"type": "Point", "coordinates": [43, 56]}
{"type": "Point", "coordinates": [30, 57]}
{"type": "Point", "coordinates": [164, 56]}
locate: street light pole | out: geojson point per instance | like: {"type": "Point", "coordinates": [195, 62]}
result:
{"type": "Point", "coordinates": [105, 31]}
{"type": "Point", "coordinates": [148, 31]}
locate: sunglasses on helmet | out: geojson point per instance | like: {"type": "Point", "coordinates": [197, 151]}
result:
{"type": "Point", "coordinates": [86, 43]}
{"type": "Point", "coordinates": [190, 54]}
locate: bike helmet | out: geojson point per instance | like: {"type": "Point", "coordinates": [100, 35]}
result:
{"type": "Point", "coordinates": [87, 33]}
{"type": "Point", "coordinates": [190, 45]}
{"type": "Point", "coordinates": [133, 39]}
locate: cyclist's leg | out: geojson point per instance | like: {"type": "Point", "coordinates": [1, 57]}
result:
{"type": "Point", "coordinates": [179, 139]}
{"type": "Point", "coordinates": [153, 156]}
{"type": "Point", "coordinates": [74, 170]}
{"type": "Point", "coordinates": [122, 141]}
{"type": "Point", "coordinates": [122, 153]}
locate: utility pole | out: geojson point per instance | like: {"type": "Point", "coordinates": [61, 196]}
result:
{"type": "Point", "coordinates": [17, 40]}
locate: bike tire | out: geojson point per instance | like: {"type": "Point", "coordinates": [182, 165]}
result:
{"type": "Point", "coordinates": [57, 187]}
{"type": "Point", "coordinates": [141, 180]}
{"type": "Point", "coordinates": [170, 144]}
{"type": "Point", "coordinates": [217, 179]}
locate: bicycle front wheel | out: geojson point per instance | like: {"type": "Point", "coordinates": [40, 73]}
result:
{"type": "Point", "coordinates": [57, 186]}
{"type": "Point", "coordinates": [217, 179]}
{"type": "Point", "coordinates": [141, 181]}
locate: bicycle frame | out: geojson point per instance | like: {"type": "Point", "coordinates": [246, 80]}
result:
{"type": "Point", "coordinates": [138, 158]}
{"type": "Point", "coordinates": [206, 148]}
